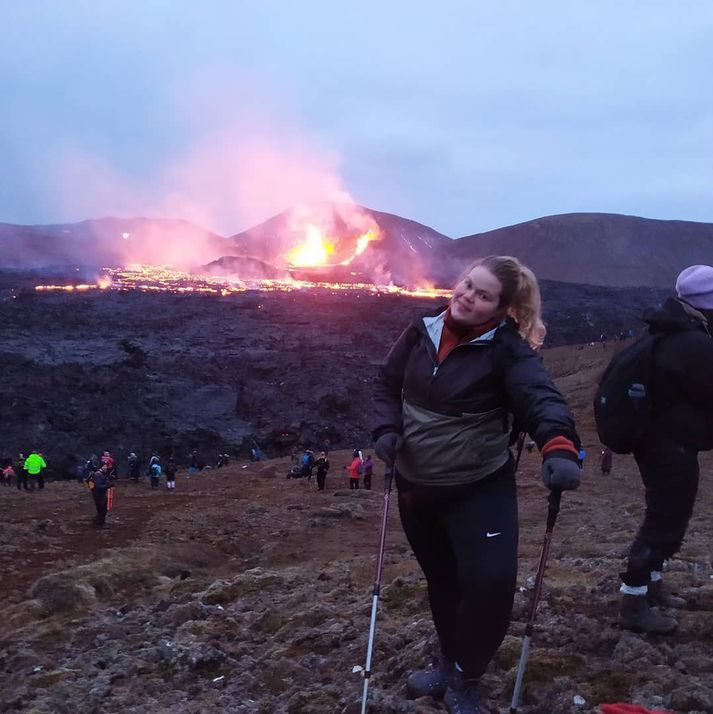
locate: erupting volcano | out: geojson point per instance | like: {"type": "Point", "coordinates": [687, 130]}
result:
{"type": "Point", "coordinates": [332, 246]}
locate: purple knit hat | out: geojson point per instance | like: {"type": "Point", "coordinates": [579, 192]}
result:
{"type": "Point", "coordinates": [695, 286]}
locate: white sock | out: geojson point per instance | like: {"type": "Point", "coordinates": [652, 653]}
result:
{"type": "Point", "coordinates": [633, 589]}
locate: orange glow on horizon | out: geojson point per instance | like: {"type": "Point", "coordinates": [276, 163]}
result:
{"type": "Point", "coordinates": [151, 278]}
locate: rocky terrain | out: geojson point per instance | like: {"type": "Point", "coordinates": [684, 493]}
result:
{"type": "Point", "coordinates": [246, 592]}
{"type": "Point", "coordinates": [131, 371]}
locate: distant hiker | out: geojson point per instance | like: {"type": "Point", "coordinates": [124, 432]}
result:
{"type": "Point", "coordinates": [603, 340]}
{"type": "Point", "coordinates": [293, 453]}
{"type": "Point", "coordinates": [20, 471]}
{"type": "Point", "coordinates": [171, 469]}
{"type": "Point", "coordinates": [192, 463]}
{"type": "Point", "coordinates": [220, 462]}
{"type": "Point", "coordinates": [327, 446]}
{"type": "Point", "coordinates": [667, 457]}
{"type": "Point", "coordinates": [445, 399]}
{"type": "Point", "coordinates": [368, 469]}
{"type": "Point", "coordinates": [256, 454]}
{"type": "Point", "coordinates": [155, 474]}
{"type": "Point", "coordinates": [8, 475]}
{"type": "Point", "coordinates": [108, 460]}
{"type": "Point", "coordinates": [606, 460]}
{"type": "Point", "coordinates": [354, 469]}
{"type": "Point", "coordinates": [34, 464]}
{"type": "Point", "coordinates": [581, 455]}
{"type": "Point", "coordinates": [100, 482]}
{"type": "Point", "coordinates": [134, 467]}
{"type": "Point", "coordinates": [322, 466]}
{"type": "Point", "coordinates": [307, 464]}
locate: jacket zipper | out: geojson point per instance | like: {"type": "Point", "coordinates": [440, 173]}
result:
{"type": "Point", "coordinates": [436, 366]}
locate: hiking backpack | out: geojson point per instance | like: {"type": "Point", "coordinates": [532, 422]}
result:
{"type": "Point", "coordinates": [624, 403]}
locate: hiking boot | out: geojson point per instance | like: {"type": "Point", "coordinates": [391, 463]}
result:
{"type": "Point", "coordinates": [636, 614]}
{"type": "Point", "coordinates": [430, 682]}
{"type": "Point", "coordinates": [659, 595]}
{"type": "Point", "coordinates": [463, 696]}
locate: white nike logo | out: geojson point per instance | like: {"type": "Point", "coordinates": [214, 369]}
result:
{"type": "Point", "coordinates": [492, 535]}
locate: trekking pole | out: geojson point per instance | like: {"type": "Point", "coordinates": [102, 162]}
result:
{"type": "Point", "coordinates": [520, 444]}
{"type": "Point", "coordinates": [553, 510]}
{"type": "Point", "coordinates": [377, 586]}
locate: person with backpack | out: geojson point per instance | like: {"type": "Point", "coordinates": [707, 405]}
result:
{"type": "Point", "coordinates": [446, 399]}
{"type": "Point", "coordinates": [100, 482]}
{"type": "Point", "coordinates": [656, 402]}
{"type": "Point", "coordinates": [307, 464]}
{"type": "Point", "coordinates": [155, 473]}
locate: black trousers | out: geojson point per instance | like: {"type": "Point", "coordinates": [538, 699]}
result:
{"type": "Point", "coordinates": [22, 480]}
{"type": "Point", "coordinates": [367, 481]}
{"type": "Point", "coordinates": [100, 501]}
{"type": "Point", "coordinates": [40, 480]}
{"type": "Point", "coordinates": [670, 475]}
{"type": "Point", "coordinates": [353, 484]}
{"type": "Point", "coordinates": [321, 480]}
{"type": "Point", "coordinates": [465, 540]}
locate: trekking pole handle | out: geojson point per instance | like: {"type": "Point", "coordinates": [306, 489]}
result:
{"type": "Point", "coordinates": [554, 507]}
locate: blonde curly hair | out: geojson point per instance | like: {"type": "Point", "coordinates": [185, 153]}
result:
{"type": "Point", "coordinates": [519, 297]}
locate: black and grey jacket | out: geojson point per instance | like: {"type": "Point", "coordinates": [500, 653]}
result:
{"type": "Point", "coordinates": [683, 375]}
{"type": "Point", "coordinates": [456, 417]}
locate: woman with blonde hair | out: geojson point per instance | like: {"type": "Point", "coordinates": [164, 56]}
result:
{"type": "Point", "coordinates": [446, 398]}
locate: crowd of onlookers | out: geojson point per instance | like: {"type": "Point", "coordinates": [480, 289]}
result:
{"type": "Point", "coordinates": [26, 472]}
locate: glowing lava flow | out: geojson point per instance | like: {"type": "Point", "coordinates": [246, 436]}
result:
{"type": "Point", "coordinates": [150, 278]}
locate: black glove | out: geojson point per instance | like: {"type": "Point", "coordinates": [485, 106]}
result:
{"type": "Point", "coordinates": [387, 445]}
{"type": "Point", "coordinates": [561, 473]}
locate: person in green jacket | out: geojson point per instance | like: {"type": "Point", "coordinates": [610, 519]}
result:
{"type": "Point", "coordinates": [34, 464]}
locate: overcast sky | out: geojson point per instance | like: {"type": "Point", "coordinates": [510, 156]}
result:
{"type": "Point", "coordinates": [465, 116]}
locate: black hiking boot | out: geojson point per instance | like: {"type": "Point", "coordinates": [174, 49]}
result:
{"type": "Point", "coordinates": [659, 595]}
{"type": "Point", "coordinates": [636, 614]}
{"type": "Point", "coordinates": [463, 696]}
{"type": "Point", "coordinates": [430, 682]}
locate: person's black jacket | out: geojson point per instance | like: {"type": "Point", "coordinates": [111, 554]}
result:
{"type": "Point", "coordinates": [501, 372]}
{"type": "Point", "coordinates": [683, 375]}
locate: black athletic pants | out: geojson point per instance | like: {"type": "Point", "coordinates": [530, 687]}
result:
{"type": "Point", "coordinates": [100, 501]}
{"type": "Point", "coordinates": [22, 481]}
{"type": "Point", "coordinates": [353, 484]}
{"type": "Point", "coordinates": [670, 475]}
{"type": "Point", "coordinates": [465, 540]}
{"type": "Point", "coordinates": [321, 480]}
